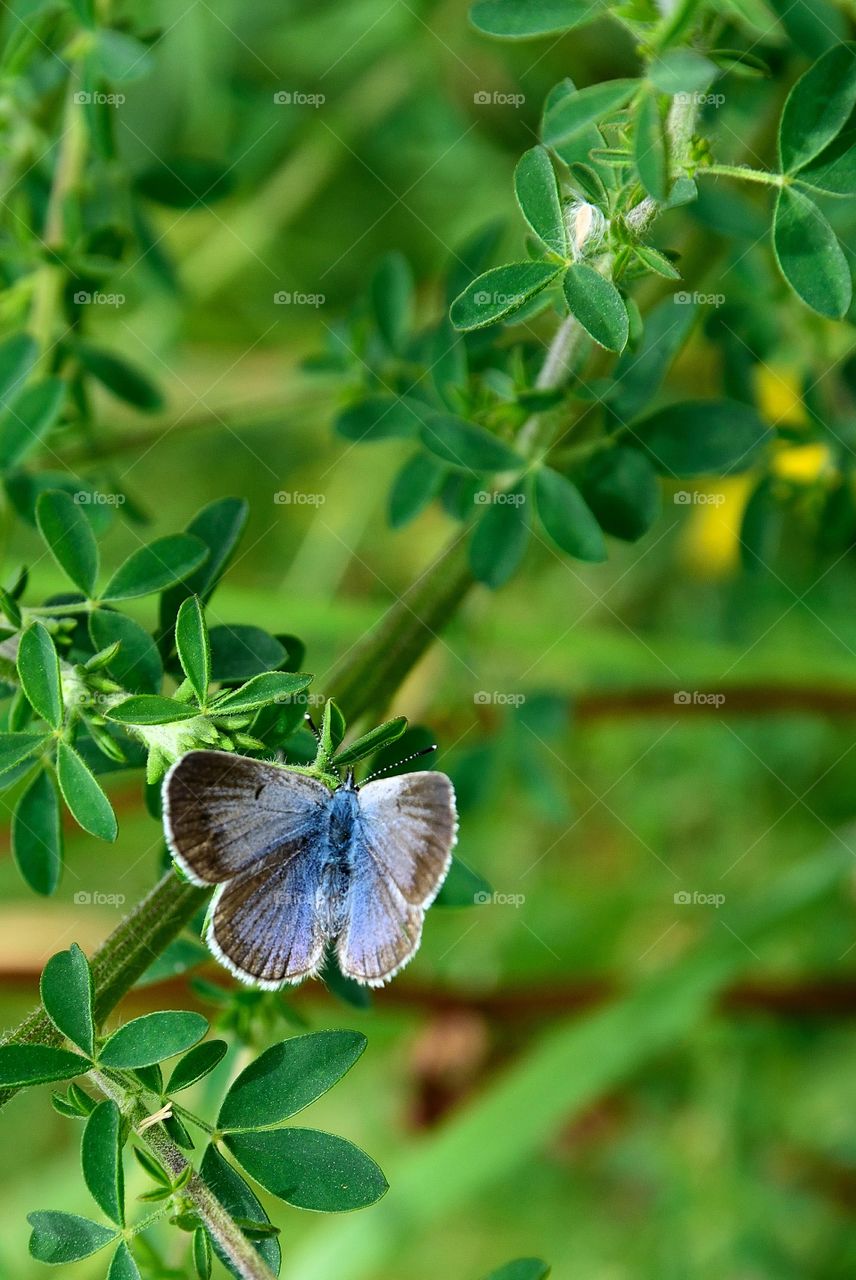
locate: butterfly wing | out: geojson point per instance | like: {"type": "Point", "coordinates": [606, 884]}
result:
{"type": "Point", "coordinates": [222, 812]}
{"type": "Point", "coordinates": [400, 855]}
{"type": "Point", "coordinates": [266, 925]}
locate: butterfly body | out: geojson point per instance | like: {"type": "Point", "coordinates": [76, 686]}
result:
{"type": "Point", "coordinates": [300, 866]}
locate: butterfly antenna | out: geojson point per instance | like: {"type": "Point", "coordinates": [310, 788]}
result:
{"type": "Point", "coordinates": [426, 751]}
{"type": "Point", "coordinates": [313, 726]}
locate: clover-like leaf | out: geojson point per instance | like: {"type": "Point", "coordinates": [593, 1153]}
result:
{"type": "Point", "coordinates": [29, 418]}
{"type": "Point", "coordinates": [242, 1203]}
{"type": "Point", "coordinates": [467, 446]}
{"type": "Point", "coordinates": [525, 19]}
{"type": "Point", "coordinates": [566, 517]}
{"type": "Point", "coordinates": [309, 1168]}
{"type": "Point", "coordinates": [136, 665]}
{"type": "Point", "coordinates": [500, 538]}
{"type": "Point", "coordinates": [818, 107]}
{"type": "Point", "coordinates": [193, 646]}
{"type": "Point", "coordinates": [22, 1064]}
{"type": "Point", "coordinates": [537, 194]}
{"type": "Point", "coordinates": [37, 834]}
{"type": "Point", "coordinates": [573, 113]}
{"type": "Point", "coordinates": [67, 994]}
{"type": "Point", "coordinates": [596, 303]}
{"type": "Point", "coordinates": [366, 745]}
{"type": "Point", "coordinates": [272, 686]}
{"type": "Point", "coordinates": [810, 256]}
{"type": "Point", "coordinates": [101, 1156]}
{"type": "Point", "coordinates": [38, 671]}
{"type": "Point", "coordinates": [500, 292]}
{"type": "Point", "coordinates": [701, 437]}
{"type": "Point", "coordinates": [160, 564]}
{"type": "Point", "coordinates": [152, 1038]}
{"type": "Point", "coordinates": [287, 1077]}
{"type": "Point", "coordinates": [196, 1064]}
{"type": "Point", "coordinates": [65, 1237]}
{"type": "Point", "coordinates": [83, 794]}
{"type": "Point", "coordinates": [69, 538]}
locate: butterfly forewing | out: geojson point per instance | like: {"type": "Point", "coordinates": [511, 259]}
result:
{"type": "Point", "coordinates": [223, 812]}
{"type": "Point", "coordinates": [400, 856]}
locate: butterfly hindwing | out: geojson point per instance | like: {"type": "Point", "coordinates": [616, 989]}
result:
{"type": "Point", "coordinates": [224, 812]}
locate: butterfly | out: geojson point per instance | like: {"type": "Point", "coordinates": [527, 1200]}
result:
{"type": "Point", "coordinates": [300, 866]}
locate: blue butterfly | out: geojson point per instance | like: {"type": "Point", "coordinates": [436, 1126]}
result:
{"type": "Point", "coordinates": [300, 866]}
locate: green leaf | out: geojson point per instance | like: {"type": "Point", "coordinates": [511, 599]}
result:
{"type": "Point", "coordinates": [332, 728]}
{"type": "Point", "coordinates": [368, 743]}
{"type": "Point", "coordinates": [193, 646]}
{"type": "Point", "coordinates": [123, 1266]}
{"type": "Point", "coordinates": [15, 747]}
{"type": "Point", "coordinates": [202, 1258]}
{"type": "Point", "coordinates": [463, 887]}
{"type": "Point", "coordinates": [65, 1237]}
{"type": "Point", "coordinates": [309, 1169]}
{"type": "Point", "coordinates": [809, 255]}
{"type": "Point", "coordinates": [621, 488]}
{"type": "Point", "coordinates": [22, 1064]}
{"type": "Point", "coordinates": [417, 484]}
{"type": "Point", "coordinates": [241, 1202]}
{"type": "Point", "coordinates": [681, 71]}
{"type": "Point", "coordinates": [524, 19]}
{"type": "Point", "coordinates": [101, 1156]}
{"type": "Point", "coordinates": [18, 355]}
{"type": "Point", "coordinates": [566, 518]}
{"type": "Point", "coordinates": [538, 196]}
{"type": "Point", "coordinates": [573, 113]}
{"type": "Point", "coordinates": [29, 418]}
{"type": "Point", "coordinates": [182, 181]}
{"type": "Point", "coordinates": [391, 293]}
{"type": "Point", "coordinates": [650, 147]}
{"type": "Point", "coordinates": [701, 437]}
{"type": "Point", "coordinates": [160, 564]}
{"type": "Point", "coordinates": [521, 1269]}
{"type": "Point", "coordinates": [638, 374]}
{"type": "Point", "coordinates": [38, 670]}
{"type": "Point", "coordinates": [467, 446]}
{"type": "Point", "coordinates": [818, 107]}
{"type": "Point", "coordinates": [67, 993]}
{"type": "Point", "coordinates": [500, 292]}
{"type": "Point", "coordinates": [500, 538]}
{"type": "Point", "coordinates": [153, 1037]}
{"type": "Point", "coordinates": [596, 303]}
{"type": "Point", "coordinates": [834, 170]}
{"type": "Point", "coordinates": [240, 652]}
{"type": "Point", "coordinates": [37, 834]}
{"type": "Point", "coordinates": [89, 806]}
{"type": "Point", "coordinates": [137, 665]}
{"type": "Point", "coordinates": [124, 380]}
{"type": "Point", "coordinates": [69, 538]}
{"type": "Point", "coordinates": [287, 1077]}
{"type": "Point", "coordinates": [196, 1064]}
{"type": "Point", "coordinates": [219, 525]}
{"type": "Point", "coordinates": [382, 418]}
{"type": "Point", "coordinates": [273, 686]}
{"type": "Point", "coordinates": [151, 708]}
{"type": "Point", "coordinates": [120, 57]}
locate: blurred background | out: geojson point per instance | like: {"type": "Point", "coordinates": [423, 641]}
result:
{"type": "Point", "coordinates": [635, 1057]}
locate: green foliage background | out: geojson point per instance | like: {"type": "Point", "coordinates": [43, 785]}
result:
{"type": "Point", "coordinates": [646, 1127]}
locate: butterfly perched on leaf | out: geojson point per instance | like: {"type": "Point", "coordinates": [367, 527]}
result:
{"type": "Point", "coordinates": [301, 866]}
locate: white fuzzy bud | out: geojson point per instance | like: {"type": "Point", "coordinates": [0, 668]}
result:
{"type": "Point", "coordinates": [586, 228]}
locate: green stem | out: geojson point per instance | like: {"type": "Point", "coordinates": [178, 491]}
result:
{"type": "Point", "coordinates": [245, 1260]}
{"type": "Point", "coordinates": [744, 173]}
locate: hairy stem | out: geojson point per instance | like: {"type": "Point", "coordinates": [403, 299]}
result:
{"type": "Point", "coordinates": [222, 1227]}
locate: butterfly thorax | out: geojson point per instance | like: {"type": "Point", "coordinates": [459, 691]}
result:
{"type": "Point", "coordinates": [343, 825]}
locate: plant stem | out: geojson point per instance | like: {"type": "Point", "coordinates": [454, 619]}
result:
{"type": "Point", "coordinates": [222, 1227]}
{"type": "Point", "coordinates": [744, 173]}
